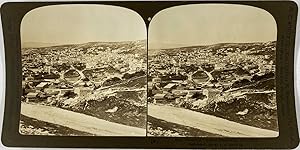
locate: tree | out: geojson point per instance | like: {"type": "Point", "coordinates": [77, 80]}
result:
{"type": "Point", "coordinates": [198, 95]}
{"type": "Point", "coordinates": [208, 67]}
{"type": "Point", "coordinates": [79, 65]}
{"type": "Point", "coordinates": [70, 94]}
{"type": "Point", "coordinates": [240, 83]}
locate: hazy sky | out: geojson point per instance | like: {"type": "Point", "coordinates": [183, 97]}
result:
{"type": "Point", "coordinates": [209, 24]}
{"type": "Point", "coordinates": [66, 24]}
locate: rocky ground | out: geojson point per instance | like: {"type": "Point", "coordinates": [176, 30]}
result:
{"type": "Point", "coordinates": [158, 127]}
{"type": "Point", "coordinates": [30, 126]}
{"type": "Point", "coordinates": [114, 109]}
{"type": "Point", "coordinates": [123, 104]}
{"type": "Point", "coordinates": [258, 110]}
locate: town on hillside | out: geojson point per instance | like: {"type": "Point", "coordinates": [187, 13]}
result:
{"type": "Point", "coordinates": [106, 80]}
{"type": "Point", "coordinates": [234, 81]}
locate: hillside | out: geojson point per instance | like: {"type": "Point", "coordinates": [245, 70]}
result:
{"type": "Point", "coordinates": [233, 81]}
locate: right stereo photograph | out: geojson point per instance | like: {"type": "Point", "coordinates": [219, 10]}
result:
{"type": "Point", "coordinates": [211, 72]}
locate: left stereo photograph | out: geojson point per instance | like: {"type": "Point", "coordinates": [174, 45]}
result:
{"type": "Point", "coordinates": [83, 71]}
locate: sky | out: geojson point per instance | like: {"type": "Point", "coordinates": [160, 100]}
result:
{"type": "Point", "coordinates": [71, 24]}
{"type": "Point", "coordinates": [206, 24]}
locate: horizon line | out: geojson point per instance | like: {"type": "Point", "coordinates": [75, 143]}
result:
{"type": "Point", "coordinates": [62, 44]}
{"type": "Point", "coordinates": [212, 44]}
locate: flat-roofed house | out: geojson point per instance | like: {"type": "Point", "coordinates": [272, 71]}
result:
{"type": "Point", "coordinates": [156, 80]}
{"type": "Point", "coordinates": [31, 96]}
{"type": "Point", "coordinates": [42, 85]}
{"type": "Point", "coordinates": [159, 97]}
{"type": "Point", "coordinates": [51, 92]}
{"type": "Point", "coordinates": [179, 93]}
{"type": "Point", "coordinates": [49, 80]}
{"type": "Point", "coordinates": [169, 87]}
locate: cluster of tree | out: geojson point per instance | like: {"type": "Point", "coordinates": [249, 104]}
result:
{"type": "Point", "coordinates": [265, 76]}
{"type": "Point", "coordinates": [199, 95]}
{"type": "Point", "coordinates": [241, 83]}
{"type": "Point", "coordinates": [45, 75]}
{"type": "Point", "coordinates": [199, 75]}
{"type": "Point", "coordinates": [88, 73]}
{"type": "Point", "coordinates": [136, 74]}
{"type": "Point", "coordinates": [112, 81]}
{"type": "Point", "coordinates": [70, 94]}
{"type": "Point", "coordinates": [174, 76]}
{"type": "Point", "coordinates": [72, 73]}
{"type": "Point", "coordinates": [62, 67]}
{"type": "Point", "coordinates": [79, 65]}
{"type": "Point", "coordinates": [240, 71]}
{"type": "Point", "coordinates": [208, 67]}
{"type": "Point", "coordinates": [189, 68]}
{"type": "Point", "coordinates": [27, 73]}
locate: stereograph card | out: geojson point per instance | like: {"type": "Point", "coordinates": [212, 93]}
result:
{"type": "Point", "coordinates": [171, 74]}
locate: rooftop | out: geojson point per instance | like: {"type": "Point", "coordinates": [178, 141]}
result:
{"type": "Point", "coordinates": [42, 84]}
{"type": "Point", "coordinates": [31, 95]}
{"type": "Point", "coordinates": [170, 85]}
{"type": "Point", "coordinates": [159, 96]}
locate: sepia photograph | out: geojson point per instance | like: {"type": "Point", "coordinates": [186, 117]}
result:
{"type": "Point", "coordinates": [84, 70]}
{"type": "Point", "coordinates": [149, 74]}
{"type": "Point", "coordinates": [211, 72]}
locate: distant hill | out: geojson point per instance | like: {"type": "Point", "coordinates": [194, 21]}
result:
{"type": "Point", "coordinates": [81, 45]}
{"type": "Point", "coordinates": [257, 48]}
{"type": "Point", "coordinates": [37, 44]}
{"type": "Point", "coordinates": [124, 47]}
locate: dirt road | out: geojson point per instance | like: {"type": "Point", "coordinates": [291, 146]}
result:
{"type": "Point", "coordinates": [206, 122]}
{"type": "Point", "coordinates": [78, 121]}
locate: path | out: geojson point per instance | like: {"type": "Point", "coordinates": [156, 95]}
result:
{"type": "Point", "coordinates": [206, 122]}
{"type": "Point", "coordinates": [78, 121]}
